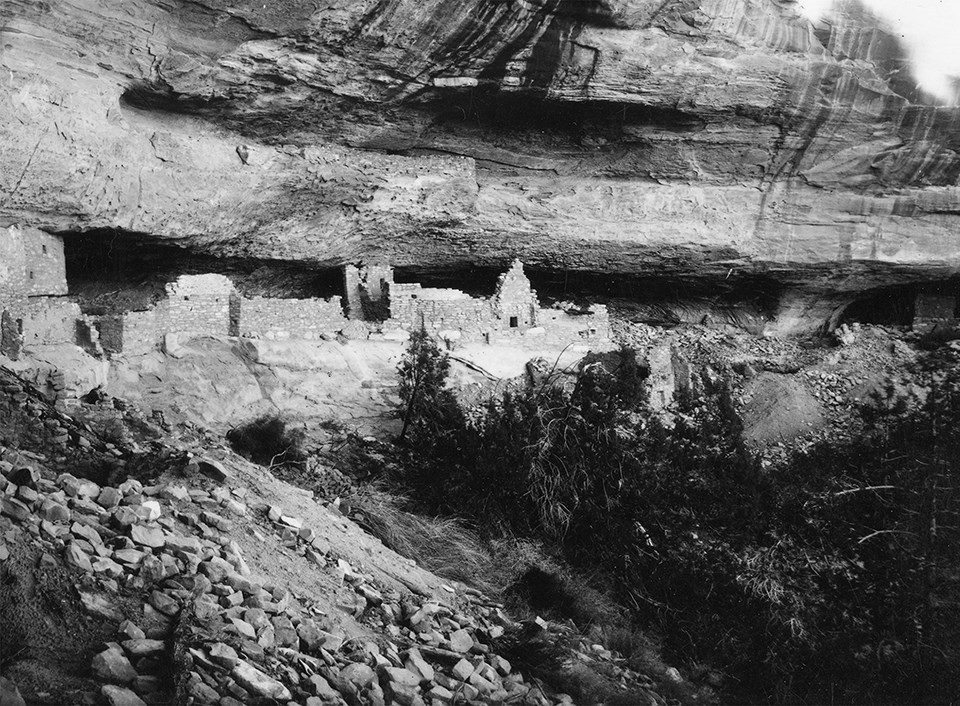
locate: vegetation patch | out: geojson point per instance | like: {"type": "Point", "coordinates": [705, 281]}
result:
{"type": "Point", "coordinates": [829, 578]}
{"type": "Point", "coordinates": [269, 441]}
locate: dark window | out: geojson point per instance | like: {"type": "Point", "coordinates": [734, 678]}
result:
{"type": "Point", "coordinates": [44, 249]}
{"type": "Point", "coordinates": [31, 274]}
{"type": "Point", "coordinates": [514, 322]}
{"type": "Point", "coordinates": [186, 299]}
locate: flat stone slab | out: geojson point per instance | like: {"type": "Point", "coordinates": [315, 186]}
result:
{"type": "Point", "coordinates": [143, 647]}
{"type": "Point", "coordinates": [112, 665]}
{"type": "Point", "coordinates": [252, 679]}
{"type": "Point", "coordinates": [121, 696]}
{"type": "Point", "coordinates": [152, 537]}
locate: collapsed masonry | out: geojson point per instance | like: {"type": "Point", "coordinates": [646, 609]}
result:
{"type": "Point", "coordinates": [35, 309]}
{"type": "Point", "coordinates": [376, 306]}
{"type": "Point", "coordinates": [936, 309]}
{"type": "Point", "coordinates": [210, 305]}
{"type": "Point", "coordinates": [512, 315]}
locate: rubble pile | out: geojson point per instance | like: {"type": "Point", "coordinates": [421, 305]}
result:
{"type": "Point", "coordinates": [208, 631]}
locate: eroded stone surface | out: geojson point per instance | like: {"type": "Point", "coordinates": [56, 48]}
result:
{"type": "Point", "coordinates": [719, 138]}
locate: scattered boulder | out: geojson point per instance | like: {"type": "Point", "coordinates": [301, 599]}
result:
{"type": "Point", "coordinates": [10, 694]}
{"type": "Point", "coordinates": [321, 687]}
{"type": "Point", "coordinates": [213, 469]}
{"type": "Point", "coordinates": [13, 508]}
{"type": "Point", "coordinates": [146, 536]}
{"type": "Point", "coordinates": [77, 558]}
{"type": "Point", "coordinates": [142, 647]}
{"type": "Point", "coordinates": [112, 666]}
{"type": "Point", "coordinates": [99, 605]}
{"type": "Point", "coordinates": [121, 696]}
{"type": "Point", "coordinates": [358, 674]}
{"type": "Point", "coordinates": [53, 511]}
{"type": "Point", "coordinates": [461, 641]}
{"type": "Point", "coordinates": [257, 682]}
{"type": "Point", "coordinates": [224, 655]}
{"type": "Point", "coordinates": [462, 670]}
{"type": "Point", "coordinates": [109, 498]}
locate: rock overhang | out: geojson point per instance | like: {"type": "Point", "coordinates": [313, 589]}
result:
{"type": "Point", "coordinates": [694, 141]}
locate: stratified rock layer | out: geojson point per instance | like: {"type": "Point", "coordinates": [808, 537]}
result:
{"type": "Point", "coordinates": [707, 137]}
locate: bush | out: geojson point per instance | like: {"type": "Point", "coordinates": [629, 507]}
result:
{"type": "Point", "coordinates": [269, 441]}
{"type": "Point", "coordinates": [831, 578]}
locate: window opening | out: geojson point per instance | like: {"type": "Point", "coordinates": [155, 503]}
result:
{"type": "Point", "coordinates": [514, 322]}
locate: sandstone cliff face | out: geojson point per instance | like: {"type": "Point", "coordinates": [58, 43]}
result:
{"type": "Point", "coordinates": [706, 137]}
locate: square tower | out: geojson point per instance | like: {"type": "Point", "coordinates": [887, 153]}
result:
{"type": "Point", "coordinates": [515, 303]}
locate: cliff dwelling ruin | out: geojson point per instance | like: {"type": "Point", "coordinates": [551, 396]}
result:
{"type": "Point", "coordinates": [38, 310]}
{"type": "Point", "coordinates": [683, 425]}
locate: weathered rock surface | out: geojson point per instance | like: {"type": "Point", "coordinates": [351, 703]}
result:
{"type": "Point", "coordinates": [720, 137]}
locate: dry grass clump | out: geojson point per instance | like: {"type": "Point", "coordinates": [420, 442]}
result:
{"type": "Point", "coordinates": [531, 584]}
{"type": "Point", "coordinates": [516, 571]}
{"type": "Point", "coordinates": [444, 546]}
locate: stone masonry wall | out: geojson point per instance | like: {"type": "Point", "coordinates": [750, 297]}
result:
{"type": "Point", "coordinates": [46, 269]}
{"type": "Point", "coordinates": [203, 306]}
{"type": "Point", "coordinates": [439, 309]}
{"type": "Point", "coordinates": [142, 331]}
{"type": "Point", "coordinates": [513, 315]}
{"type": "Point", "coordinates": [560, 328]}
{"type": "Point", "coordinates": [199, 304]}
{"type": "Point", "coordinates": [515, 304]}
{"type": "Point", "coordinates": [31, 264]}
{"type": "Point", "coordinates": [49, 321]}
{"type": "Point", "coordinates": [32, 273]}
{"type": "Point", "coordinates": [290, 318]}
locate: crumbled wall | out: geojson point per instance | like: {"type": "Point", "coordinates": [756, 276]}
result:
{"type": "Point", "coordinates": [88, 335]}
{"type": "Point", "coordinates": [489, 320]}
{"type": "Point", "coordinates": [557, 327]}
{"type": "Point", "coordinates": [935, 310]}
{"type": "Point", "coordinates": [262, 317]}
{"type": "Point", "coordinates": [365, 291]}
{"type": "Point", "coordinates": [351, 291]}
{"type": "Point", "coordinates": [111, 333]}
{"type": "Point", "coordinates": [936, 306]}
{"type": "Point", "coordinates": [11, 340]}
